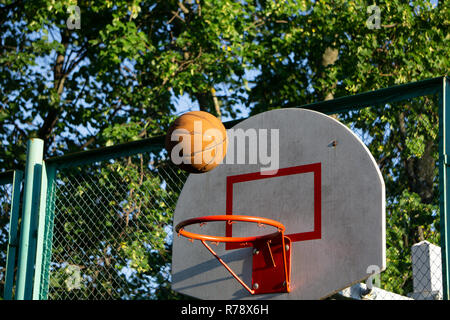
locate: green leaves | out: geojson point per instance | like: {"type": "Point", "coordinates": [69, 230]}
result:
{"type": "Point", "coordinates": [118, 78]}
{"type": "Point", "coordinates": [137, 254]}
{"type": "Point", "coordinates": [415, 146]}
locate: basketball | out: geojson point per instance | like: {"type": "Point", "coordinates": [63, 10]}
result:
{"type": "Point", "coordinates": [196, 142]}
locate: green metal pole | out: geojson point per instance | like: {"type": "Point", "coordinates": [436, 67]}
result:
{"type": "Point", "coordinates": [31, 197]}
{"type": "Point", "coordinates": [444, 182]}
{"type": "Point", "coordinates": [12, 240]}
{"type": "Point", "coordinates": [43, 246]}
{"type": "Point", "coordinates": [44, 275]}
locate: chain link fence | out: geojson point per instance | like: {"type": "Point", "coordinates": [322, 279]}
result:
{"type": "Point", "coordinates": [404, 142]}
{"type": "Point", "coordinates": [112, 230]}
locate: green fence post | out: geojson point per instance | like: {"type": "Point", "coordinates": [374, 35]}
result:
{"type": "Point", "coordinates": [444, 181]}
{"type": "Point", "coordinates": [41, 287]}
{"type": "Point", "coordinates": [44, 232]}
{"type": "Point", "coordinates": [12, 240]}
{"type": "Point", "coordinates": [31, 197]}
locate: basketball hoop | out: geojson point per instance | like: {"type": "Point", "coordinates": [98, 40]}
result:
{"type": "Point", "coordinates": [271, 255]}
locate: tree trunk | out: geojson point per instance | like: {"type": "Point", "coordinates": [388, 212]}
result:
{"type": "Point", "coordinates": [208, 102]}
{"type": "Point", "coordinates": [59, 77]}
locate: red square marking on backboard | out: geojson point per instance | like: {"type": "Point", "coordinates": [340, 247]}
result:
{"type": "Point", "coordinates": [315, 168]}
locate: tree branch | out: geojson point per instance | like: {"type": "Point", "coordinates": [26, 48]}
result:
{"type": "Point", "coordinates": [216, 103]}
{"type": "Point", "coordinates": [175, 15]}
{"type": "Point", "coordinates": [59, 78]}
{"type": "Point", "coordinates": [183, 8]}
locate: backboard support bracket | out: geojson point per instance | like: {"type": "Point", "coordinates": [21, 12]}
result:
{"type": "Point", "coordinates": [271, 271]}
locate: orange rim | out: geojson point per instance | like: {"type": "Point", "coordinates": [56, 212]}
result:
{"type": "Point", "coordinates": [230, 219]}
{"type": "Point", "coordinates": [179, 229]}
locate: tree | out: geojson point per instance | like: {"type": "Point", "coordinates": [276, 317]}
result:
{"type": "Point", "coordinates": [130, 61]}
{"type": "Point", "coordinates": [111, 80]}
{"type": "Point", "coordinates": [331, 52]}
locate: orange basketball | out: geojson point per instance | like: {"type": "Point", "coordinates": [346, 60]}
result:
{"type": "Point", "coordinates": [197, 142]}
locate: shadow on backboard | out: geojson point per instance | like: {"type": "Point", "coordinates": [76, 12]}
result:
{"type": "Point", "coordinates": [212, 271]}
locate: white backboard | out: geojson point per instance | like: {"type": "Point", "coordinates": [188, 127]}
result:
{"type": "Point", "coordinates": [328, 192]}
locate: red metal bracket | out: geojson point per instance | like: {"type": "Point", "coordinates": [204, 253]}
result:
{"type": "Point", "coordinates": [272, 265]}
